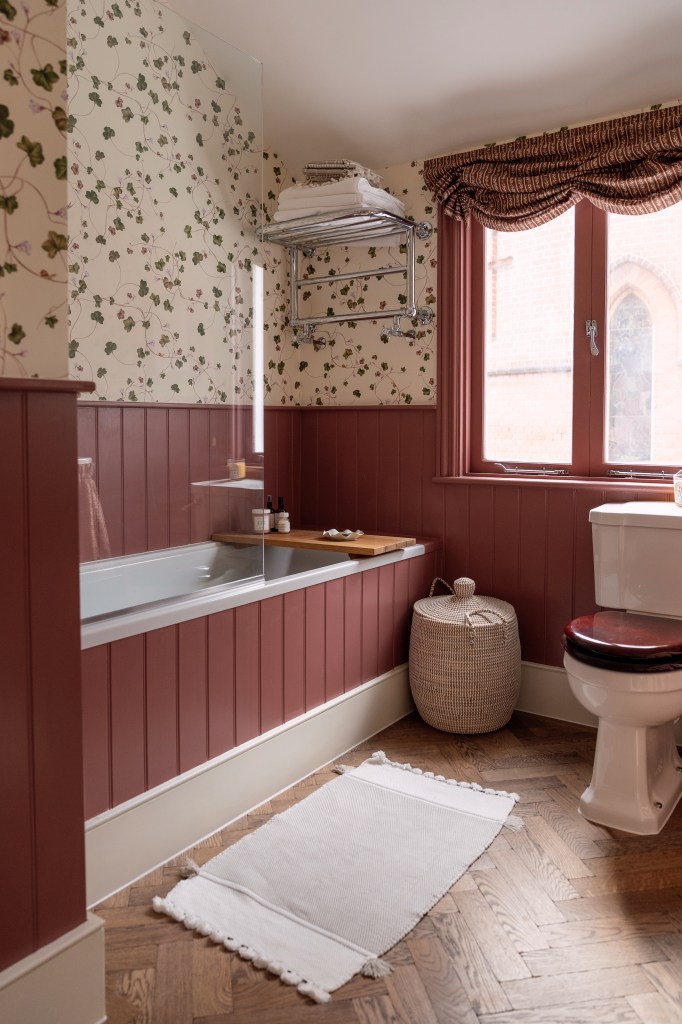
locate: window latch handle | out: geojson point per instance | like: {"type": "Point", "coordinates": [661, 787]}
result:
{"type": "Point", "coordinates": [591, 332]}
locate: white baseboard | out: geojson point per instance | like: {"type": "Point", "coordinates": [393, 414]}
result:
{"type": "Point", "coordinates": [131, 840]}
{"type": "Point", "coordinates": [545, 691]}
{"type": "Point", "coordinates": [61, 983]}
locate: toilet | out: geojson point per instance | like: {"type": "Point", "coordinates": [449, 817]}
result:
{"type": "Point", "coordinates": [624, 664]}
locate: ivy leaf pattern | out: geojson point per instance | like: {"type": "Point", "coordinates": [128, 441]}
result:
{"type": "Point", "coordinates": [45, 77]}
{"type": "Point", "coordinates": [7, 10]}
{"type": "Point", "coordinates": [60, 119]}
{"type": "Point", "coordinates": [6, 123]}
{"type": "Point", "coordinates": [17, 334]}
{"type": "Point", "coordinates": [33, 150]}
{"type": "Point", "coordinates": [54, 243]}
{"type": "Point", "coordinates": [9, 203]}
{"type": "Point", "coordinates": [159, 155]}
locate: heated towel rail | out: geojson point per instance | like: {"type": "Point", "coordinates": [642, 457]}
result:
{"type": "Point", "coordinates": [306, 234]}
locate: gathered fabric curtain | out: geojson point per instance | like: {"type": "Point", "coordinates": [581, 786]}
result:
{"type": "Point", "coordinates": [629, 165]}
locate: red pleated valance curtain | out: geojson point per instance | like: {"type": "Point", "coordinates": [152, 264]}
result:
{"type": "Point", "coordinates": [628, 165]}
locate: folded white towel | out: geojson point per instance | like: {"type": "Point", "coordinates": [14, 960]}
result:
{"type": "Point", "coordinates": [333, 211]}
{"type": "Point", "coordinates": [342, 187]}
{"type": "Point", "coordinates": [299, 207]}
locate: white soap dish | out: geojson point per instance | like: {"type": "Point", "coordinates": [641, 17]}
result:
{"type": "Point", "coordinates": [342, 535]}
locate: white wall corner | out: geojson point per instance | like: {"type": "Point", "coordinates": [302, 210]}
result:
{"type": "Point", "coordinates": [61, 983]}
{"type": "Point", "coordinates": [545, 691]}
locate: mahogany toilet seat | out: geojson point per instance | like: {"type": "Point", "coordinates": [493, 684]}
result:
{"type": "Point", "coordinates": [625, 641]}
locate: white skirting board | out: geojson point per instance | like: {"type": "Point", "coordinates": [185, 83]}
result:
{"type": "Point", "coordinates": [61, 983]}
{"type": "Point", "coordinates": [131, 840]}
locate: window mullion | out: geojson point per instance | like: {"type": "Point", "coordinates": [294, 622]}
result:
{"type": "Point", "coordinates": [597, 363]}
{"type": "Point", "coordinates": [582, 358]}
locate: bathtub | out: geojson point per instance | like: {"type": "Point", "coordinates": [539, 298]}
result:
{"type": "Point", "coordinates": [134, 594]}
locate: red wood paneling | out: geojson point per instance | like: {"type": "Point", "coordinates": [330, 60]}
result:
{"type": "Point", "coordinates": [352, 654]}
{"type": "Point", "coordinates": [530, 602]}
{"type": "Point", "coordinates": [506, 542]}
{"type": "Point", "coordinates": [16, 782]}
{"type": "Point", "coordinates": [385, 620]}
{"type": "Point", "coordinates": [161, 710]}
{"type": "Point", "coordinates": [178, 477]}
{"type": "Point", "coordinates": [42, 887]}
{"type": "Point", "coordinates": [334, 629]}
{"type": "Point", "coordinates": [156, 439]}
{"type": "Point", "coordinates": [220, 682]}
{"type": "Point", "coordinates": [315, 637]}
{"type": "Point", "coordinates": [192, 693]}
{"type": "Point", "coordinates": [370, 500]}
{"type": "Point", "coordinates": [96, 739]}
{"type": "Point", "coordinates": [326, 472]}
{"type": "Point", "coordinates": [411, 450]}
{"type": "Point", "coordinates": [401, 612]}
{"type": "Point", "coordinates": [128, 761]}
{"type": "Point", "coordinates": [294, 654]}
{"type": "Point", "coordinates": [271, 663]}
{"type": "Point", "coordinates": [55, 663]}
{"type": "Point", "coordinates": [388, 472]}
{"type": "Point", "coordinates": [247, 671]}
{"type": "Point", "coordinates": [109, 474]}
{"type": "Point", "coordinates": [134, 482]}
{"type": "Point", "coordinates": [370, 624]}
{"type": "Point", "coordinates": [346, 512]}
{"type": "Point", "coordinates": [199, 461]}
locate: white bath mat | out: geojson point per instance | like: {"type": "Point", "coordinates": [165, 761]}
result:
{"type": "Point", "coordinates": [320, 891]}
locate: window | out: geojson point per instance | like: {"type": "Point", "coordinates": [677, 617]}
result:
{"type": "Point", "coordinates": [543, 393]}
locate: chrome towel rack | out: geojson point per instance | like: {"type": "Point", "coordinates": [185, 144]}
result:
{"type": "Point", "coordinates": [304, 235]}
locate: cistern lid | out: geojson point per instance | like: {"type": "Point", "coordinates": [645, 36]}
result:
{"type": "Point", "coordinates": [663, 515]}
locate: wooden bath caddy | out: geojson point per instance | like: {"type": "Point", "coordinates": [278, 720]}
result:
{"type": "Point", "coordinates": [365, 546]}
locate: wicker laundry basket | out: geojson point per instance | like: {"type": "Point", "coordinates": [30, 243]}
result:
{"type": "Point", "coordinates": [465, 659]}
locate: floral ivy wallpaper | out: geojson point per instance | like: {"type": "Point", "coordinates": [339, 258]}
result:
{"type": "Point", "coordinates": [165, 192]}
{"type": "Point", "coordinates": [33, 234]}
{"type": "Point", "coordinates": [355, 366]}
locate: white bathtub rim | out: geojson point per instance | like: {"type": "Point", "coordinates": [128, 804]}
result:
{"type": "Point", "coordinates": [195, 606]}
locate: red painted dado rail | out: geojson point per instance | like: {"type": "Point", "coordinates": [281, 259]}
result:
{"type": "Point", "coordinates": [159, 704]}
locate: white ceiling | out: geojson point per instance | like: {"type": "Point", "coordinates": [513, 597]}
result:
{"type": "Point", "coordinates": [388, 81]}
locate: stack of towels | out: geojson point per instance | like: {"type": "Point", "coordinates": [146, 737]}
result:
{"type": "Point", "coordinates": [342, 193]}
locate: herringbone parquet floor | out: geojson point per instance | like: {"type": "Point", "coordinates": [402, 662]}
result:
{"type": "Point", "coordinates": [563, 922]}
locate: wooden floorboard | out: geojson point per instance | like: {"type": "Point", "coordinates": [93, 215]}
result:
{"type": "Point", "coordinates": [562, 922]}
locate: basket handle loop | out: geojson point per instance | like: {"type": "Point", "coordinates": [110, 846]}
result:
{"type": "Point", "coordinates": [435, 583]}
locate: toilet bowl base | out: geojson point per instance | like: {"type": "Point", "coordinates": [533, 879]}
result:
{"type": "Point", "coordinates": [636, 779]}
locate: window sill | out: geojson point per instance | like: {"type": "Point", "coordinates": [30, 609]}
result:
{"type": "Point", "coordinates": [594, 483]}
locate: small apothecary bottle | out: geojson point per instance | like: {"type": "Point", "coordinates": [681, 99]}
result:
{"type": "Point", "coordinates": [278, 513]}
{"type": "Point", "coordinates": [283, 523]}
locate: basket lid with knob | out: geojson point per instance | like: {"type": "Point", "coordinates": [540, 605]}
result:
{"type": "Point", "coordinates": [463, 606]}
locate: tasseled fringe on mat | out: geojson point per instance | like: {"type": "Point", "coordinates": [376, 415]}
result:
{"type": "Point", "coordinates": [306, 988]}
{"type": "Point", "coordinates": [376, 968]}
{"type": "Point", "coordinates": [189, 868]}
{"type": "Point", "coordinates": [514, 823]}
{"type": "Point", "coordinates": [341, 769]}
{"type": "Point", "coordinates": [379, 757]}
